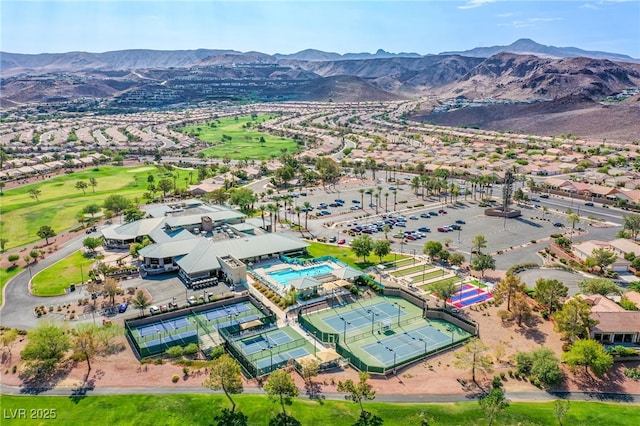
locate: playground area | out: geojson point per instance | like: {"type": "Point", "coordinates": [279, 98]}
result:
{"type": "Point", "coordinates": [382, 333]}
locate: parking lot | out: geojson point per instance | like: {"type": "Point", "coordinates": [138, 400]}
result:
{"type": "Point", "coordinates": [465, 216]}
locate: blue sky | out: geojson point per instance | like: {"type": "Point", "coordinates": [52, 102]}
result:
{"type": "Point", "coordinates": [288, 26]}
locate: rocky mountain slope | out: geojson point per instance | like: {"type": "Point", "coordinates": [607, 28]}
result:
{"type": "Point", "coordinates": [147, 78]}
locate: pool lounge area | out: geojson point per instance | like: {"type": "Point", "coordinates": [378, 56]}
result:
{"type": "Point", "coordinates": [317, 276]}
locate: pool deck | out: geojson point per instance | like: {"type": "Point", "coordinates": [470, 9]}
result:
{"type": "Point", "coordinates": [265, 269]}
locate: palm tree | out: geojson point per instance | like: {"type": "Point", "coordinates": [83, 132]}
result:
{"type": "Point", "coordinates": [370, 195]}
{"type": "Point", "coordinates": [386, 201]}
{"type": "Point", "coordinates": [377, 202]}
{"type": "Point", "coordinates": [298, 210]}
{"type": "Point", "coordinates": [262, 209]}
{"type": "Point", "coordinates": [307, 207]}
{"type": "Point", "coordinates": [395, 199]}
{"type": "Point", "coordinates": [415, 184]}
{"type": "Point", "coordinates": [273, 209]}
{"type": "Point", "coordinates": [361, 191]}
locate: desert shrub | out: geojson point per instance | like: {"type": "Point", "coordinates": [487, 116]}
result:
{"type": "Point", "coordinates": [620, 350]}
{"type": "Point", "coordinates": [191, 349]}
{"type": "Point", "coordinates": [628, 304]}
{"type": "Point", "coordinates": [174, 351]}
{"type": "Point", "coordinates": [632, 373]}
{"type": "Point", "coordinates": [175, 378]}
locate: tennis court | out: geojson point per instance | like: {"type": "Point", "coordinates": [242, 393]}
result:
{"type": "Point", "coordinates": [270, 362]}
{"type": "Point", "coordinates": [266, 351]}
{"type": "Point", "coordinates": [357, 315]}
{"type": "Point", "coordinates": [155, 337]}
{"type": "Point", "coordinates": [164, 326]}
{"type": "Point", "coordinates": [224, 311]}
{"type": "Point", "coordinates": [384, 332]}
{"type": "Point", "coordinates": [263, 341]}
{"type": "Point", "coordinates": [401, 346]}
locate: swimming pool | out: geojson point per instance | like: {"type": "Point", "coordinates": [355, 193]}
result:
{"type": "Point", "coordinates": [284, 275]}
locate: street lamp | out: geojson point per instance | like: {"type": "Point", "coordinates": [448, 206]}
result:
{"type": "Point", "coordinates": [344, 331]}
{"type": "Point", "coordinates": [399, 306]}
{"type": "Point", "coordinates": [451, 330]}
{"type": "Point", "coordinates": [373, 315]}
{"type": "Point", "coordinates": [414, 256]}
{"type": "Point", "coordinates": [270, 349]}
{"type": "Point", "coordinates": [394, 359]}
{"type": "Point", "coordinates": [425, 344]}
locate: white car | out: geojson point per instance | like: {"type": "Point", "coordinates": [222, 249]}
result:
{"type": "Point", "coordinates": [154, 309]}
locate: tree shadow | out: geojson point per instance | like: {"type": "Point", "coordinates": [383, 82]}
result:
{"type": "Point", "coordinates": [530, 330]}
{"type": "Point", "coordinates": [231, 418]}
{"type": "Point", "coordinates": [314, 390]}
{"type": "Point", "coordinates": [600, 387]}
{"type": "Point", "coordinates": [283, 420]}
{"type": "Point", "coordinates": [35, 380]}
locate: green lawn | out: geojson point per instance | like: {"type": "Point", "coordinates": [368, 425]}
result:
{"type": "Point", "coordinates": [60, 201]}
{"type": "Point", "coordinates": [347, 256]}
{"type": "Point", "coordinates": [454, 280]}
{"type": "Point", "coordinates": [400, 263]}
{"type": "Point", "coordinates": [412, 270]}
{"type": "Point", "coordinates": [198, 409]}
{"type": "Point", "coordinates": [6, 274]}
{"type": "Point", "coordinates": [236, 138]}
{"type": "Point", "coordinates": [427, 276]}
{"type": "Point", "coordinates": [53, 280]}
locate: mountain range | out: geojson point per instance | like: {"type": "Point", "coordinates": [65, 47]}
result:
{"type": "Point", "coordinates": [151, 78]}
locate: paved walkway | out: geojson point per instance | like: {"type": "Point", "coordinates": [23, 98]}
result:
{"type": "Point", "coordinates": [537, 396]}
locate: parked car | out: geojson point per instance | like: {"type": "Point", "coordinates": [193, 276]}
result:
{"type": "Point", "coordinates": [413, 217]}
{"type": "Point", "coordinates": [424, 229]}
{"type": "Point", "coordinates": [355, 201]}
{"type": "Point", "coordinates": [333, 239]}
{"type": "Point", "coordinates": [455, 227]}
{"type": "Point", "coordinates": [341, 241]}
{"type": "Point", "coordinates": [433, 213]}
{"type": "Point", "coordinates": [123, 307]}
{"type": "Point", "coordinates": [401, 224]}
{"type": "Point", "coordinates": [425, 215]}
{"type": "Point", "coordinates": [322, 206]}
{"type": "Point", "coordinates": [444, 229]}
{"type": "Point", "coordinates": [535, 199]}
{"type": "Point", "coordinates": [339, 200]}
{"type": "Point", "coordinates": [154, 309]}
{"type": "Point", "coordinates": [411, 237]}
{"type": "Point", "coordinates": [544, 195]}
{"type": "Point", "coordinates": [559, 225]}
{"type": "Point", "coordinates": [442, 211]}
{"type": "Point", "coordinates": [372, 204]}
{"type": "Point", "coordinates": [588, 203]}
{"type": "Point", "coordinates": [461, 222]}
{"type": "Point", "coordinates": [354, 208]}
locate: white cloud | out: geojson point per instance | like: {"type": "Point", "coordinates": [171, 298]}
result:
{"type": "Point", "coordinates": [475, 3]}
{"type": "Point", "coordinates": [505, 15]}
{"type": "Point", "coordinates": [530, 22]}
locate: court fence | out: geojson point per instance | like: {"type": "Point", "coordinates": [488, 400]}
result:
{"type": "Point", "coordinates": [340, 341]}
{"type": "Point", "coordinates": [182, 336]}
{"type": "Point", "coordinates": [249, 362]}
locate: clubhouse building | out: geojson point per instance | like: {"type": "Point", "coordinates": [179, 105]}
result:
{"type": "Point", "coordinates": [201, 241]}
